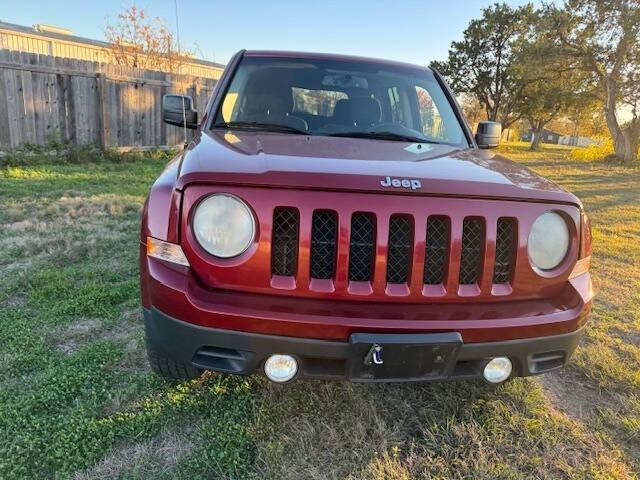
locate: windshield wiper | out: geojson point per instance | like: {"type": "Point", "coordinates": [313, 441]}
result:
{"type": "Point", "coordinates": [273, 127]}
{"type": "Point", "coordinates": [383, 136]}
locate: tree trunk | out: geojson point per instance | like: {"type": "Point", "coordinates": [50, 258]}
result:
{"type": "Point", "coordinates": [625, 140]}
{"type": "Point", "coordinates": [626, 144]}
{"type": "Point", "coordinates": [536, 137]}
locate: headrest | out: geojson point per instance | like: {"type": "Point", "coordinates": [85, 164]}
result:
{"type": "Point", "coordinates": [360, 111]}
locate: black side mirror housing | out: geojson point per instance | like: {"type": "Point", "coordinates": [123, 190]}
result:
{"type": "Point", "coordinates": [488, 134]}
{"type": "Point", "coordinates": [178, 110]}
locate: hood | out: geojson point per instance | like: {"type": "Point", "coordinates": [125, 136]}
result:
{"type": "Point", "coordinates": [363, 165]}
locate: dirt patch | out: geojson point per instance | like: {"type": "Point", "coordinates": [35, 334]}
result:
{"type": "Point", "coordinates": [14, 301]}
{"type": "Point", "coordinates": [93, 207]}
{"type": "Point", "coordinates": [68, 227]}
{"type": "Point", "coordinates": [38, 215]}
{"type": "Point", "coordinates": [629, 336]}
{"type": "Point", "coordinates": [147, 459]}
{"type": "Point", "coordinates": [573, 396]}
{"type": "Point", "coordinates": [124, 331]}
{"type": "Point", "coordinates": [21, 226]}
{"type": "Point", "coordinates": [73, 337]}
{"type": "Point", "coordinates": [18, 265]}
{"type": "Point", "coordinates": [129, 333]}
{"type": "Point", "coordinates": [126, 327]}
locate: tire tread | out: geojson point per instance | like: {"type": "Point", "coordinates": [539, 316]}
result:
{"type": "Point", "coordinates": [170, 368]}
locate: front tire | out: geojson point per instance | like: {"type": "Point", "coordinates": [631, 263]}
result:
{"type": "Point", "coordinates": [171, 369]}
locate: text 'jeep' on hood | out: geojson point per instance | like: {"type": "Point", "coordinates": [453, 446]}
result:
{"type": "Point", "coordinates": [335, 217]}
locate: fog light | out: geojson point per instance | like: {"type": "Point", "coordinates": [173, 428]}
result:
{"type": "Point", "coordinates": [497, 370]}
{"type": "Point", "coordinates": [280, 368]}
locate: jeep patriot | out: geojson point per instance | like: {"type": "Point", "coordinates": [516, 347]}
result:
{"type": "Point", "coordinates": [335, 217]}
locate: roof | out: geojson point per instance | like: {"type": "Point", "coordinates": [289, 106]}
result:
{"type": "Point", "coordinates": [546, 130]}
{"type": "Point", "coordinates": [329, 56]}
{"type": "Point", "coordinates": [87, 41]}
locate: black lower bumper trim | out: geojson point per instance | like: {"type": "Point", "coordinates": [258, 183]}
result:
{"type": "Point", "coordinates": [229, 351]}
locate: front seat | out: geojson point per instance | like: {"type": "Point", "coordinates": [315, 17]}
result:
{"type": "Point", "coordinates": [364, 112]}
{"type": "Point", "coordinates": [271, 104]}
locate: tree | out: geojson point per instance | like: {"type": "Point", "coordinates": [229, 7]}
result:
{"type": "Point", "coordinates": [138, 42]}
{"type": "Point", "coordinates": [588, 122]}
{"type": "Point", "coordinates": [482, 64]}
{"type": "Point", "coordinates": [602, 38]}
{"type": "Point", "coordinates": [473, 111]}
{"type": "Point", "coordinates": [546, 88]}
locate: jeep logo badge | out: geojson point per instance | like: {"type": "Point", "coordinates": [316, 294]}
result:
{"type": "Point", "coordinates": [412, 183]}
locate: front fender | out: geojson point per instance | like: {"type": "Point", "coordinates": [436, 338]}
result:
{"type": "Point", "coordinates": [161, 212]}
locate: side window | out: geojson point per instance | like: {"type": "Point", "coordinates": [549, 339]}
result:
{"type": "Point", "coordinates": [398, 113]}
{"type": "Point", "coordinates": [430, 119]}
{"type": "Point", "coordinates": [316, 102]}
{"type": "Point", "coordinates": [229, 105]}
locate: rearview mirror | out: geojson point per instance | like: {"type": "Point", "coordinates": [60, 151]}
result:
{"type": "Point", "coordinates": [178, 110]}
{"type": "Point", "coordinates": [488, 134]}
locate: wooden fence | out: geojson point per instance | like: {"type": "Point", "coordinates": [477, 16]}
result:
{"type": "Point", "coordinates": [45, 98]}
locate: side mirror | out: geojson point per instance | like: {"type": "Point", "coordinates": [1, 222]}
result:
{"type": "Point", "coordinates": [488, 134]}
{"type": "Point", "coordinates": [178, 109]}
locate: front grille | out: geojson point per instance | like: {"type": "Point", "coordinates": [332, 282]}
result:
{"type": "Point", "coordinates": [452, 257]}
{"type": "Point", "coordinates": [437, 250]}
{"type": "Point", "coordinates": [400, 246]}
{"type": "Point", "coordinates": [472, 251]}
{"type": "Point", "coordinates": [324, 236]}
{"type": "Point", "coordinates": [284, 246]}
{"type": "Point", "coordinates": [505, 250]}
{"type": "Point", "coordinates": [362, 247]}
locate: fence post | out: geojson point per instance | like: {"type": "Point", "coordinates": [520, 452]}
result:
{"type": "Point", "coordinates": [103, 110]}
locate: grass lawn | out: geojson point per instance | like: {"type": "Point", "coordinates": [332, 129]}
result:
{"type": "Point", "coordinates": [77, 399]}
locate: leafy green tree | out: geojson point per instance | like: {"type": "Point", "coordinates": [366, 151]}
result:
{"type": "Point", "coordinates": [546, 88]}
{"type": "Point", "coordinates": [602, 38]}
{"type": "Point", "coordinates": [482, 64]}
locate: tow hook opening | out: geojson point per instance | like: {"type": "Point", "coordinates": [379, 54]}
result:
{"type": "Point", "coordinates": [374, 355]}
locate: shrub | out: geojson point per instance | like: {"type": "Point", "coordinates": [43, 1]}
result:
{"type": "Point", "coordinates": [596, 153]}
{"type": "Point", "coordinates": [58, 153]}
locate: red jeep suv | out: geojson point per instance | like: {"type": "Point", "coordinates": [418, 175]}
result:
{"type": "Point", "coordinates": [334, 217]}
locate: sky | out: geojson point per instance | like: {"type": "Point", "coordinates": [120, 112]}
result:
{"type": "Point", "coordinates": [415, 31]}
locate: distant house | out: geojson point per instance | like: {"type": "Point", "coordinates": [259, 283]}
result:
{"type": "Point", "coordinates": [576, 141]}
{"type": "Point", "coordinates": [548, 136]}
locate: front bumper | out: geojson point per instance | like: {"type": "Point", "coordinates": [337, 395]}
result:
{"type": "Point", "coordinates": [177, 292]}
{"type": "Point", "coordinates": [237, 352]}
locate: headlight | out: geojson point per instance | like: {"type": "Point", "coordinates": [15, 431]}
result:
{"type": "Point", "coordinates": [224, 225]}
{"type": "Point", "coordinates": [548, 241]}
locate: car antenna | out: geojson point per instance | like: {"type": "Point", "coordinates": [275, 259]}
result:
{"type": "Point", "coordinates": [184, 112]}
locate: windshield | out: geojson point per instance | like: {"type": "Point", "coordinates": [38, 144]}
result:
{"type": "Point", "coordinates": [339, 97]}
